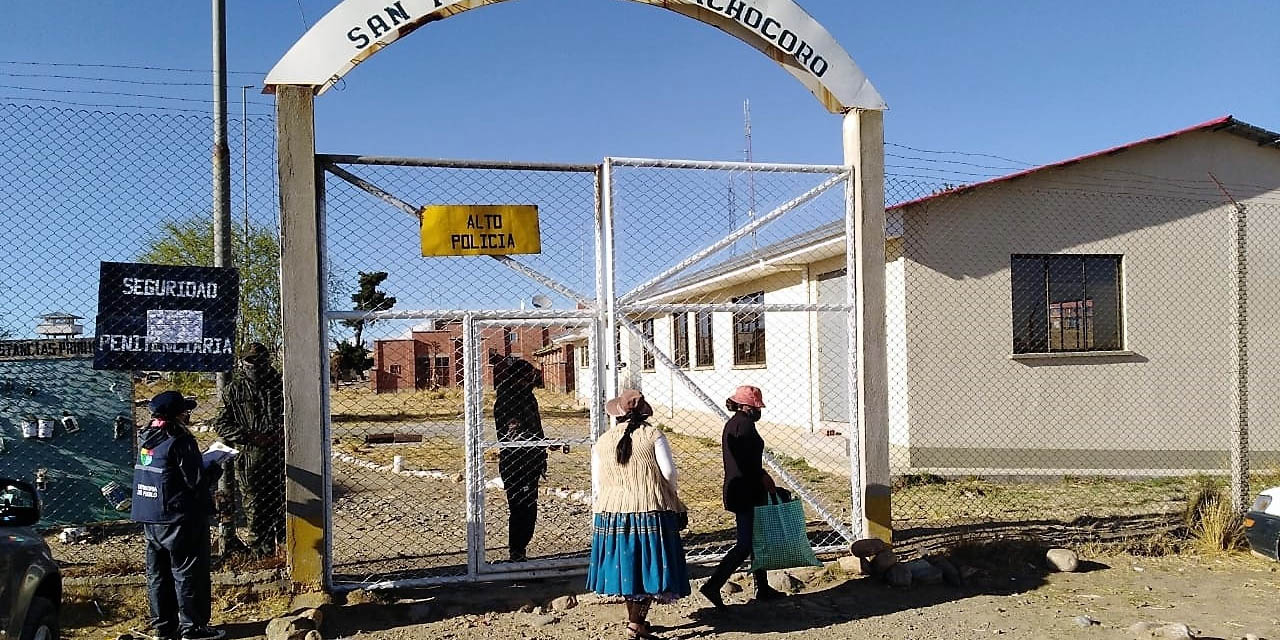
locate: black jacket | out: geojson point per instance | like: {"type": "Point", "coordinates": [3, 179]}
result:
{"type": "Point", "coordinates": [516, 417]}
{"type": "Point", "coordinates": [743, 450]}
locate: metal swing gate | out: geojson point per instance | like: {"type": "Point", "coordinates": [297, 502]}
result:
{"type": "Point", "coordinates": [427, 488]}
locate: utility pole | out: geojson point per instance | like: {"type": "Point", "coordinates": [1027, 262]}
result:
{"type": "Point", "coordinates": [244, 198]}
{"type": "Point", "coordinates": [751, 174]}
{"type": "Point", "coordinates": [221, 153]}
{"type": "Point", "coordinates": [227, 539]}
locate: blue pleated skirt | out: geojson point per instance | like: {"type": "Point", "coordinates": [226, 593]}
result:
{"type": "Point", "coordinates": [638, 556]}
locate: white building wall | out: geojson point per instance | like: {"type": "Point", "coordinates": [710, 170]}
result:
{"type": "Point", "coordinates": [1169, 401]}
{"type": "Point", "coordinates": [786, 378]}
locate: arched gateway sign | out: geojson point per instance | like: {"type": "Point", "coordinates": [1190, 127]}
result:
{"type": "Point", "coordinates": [354, 30]}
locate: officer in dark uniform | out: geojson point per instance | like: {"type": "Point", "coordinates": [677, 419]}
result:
{"type": "Point", "coordinates": [172, 498]}
{"type": "Point", "coordinates": [252, 420]}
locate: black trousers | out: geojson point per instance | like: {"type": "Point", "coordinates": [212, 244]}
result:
{"type": "Point", "coordinates": [522, 502]}
{"type": "Point", "coordinates": [178, 575]}
{"type": "Point", "coordinates": [745, 526]}
{"type": "Point", "coordinates": [261, 471]}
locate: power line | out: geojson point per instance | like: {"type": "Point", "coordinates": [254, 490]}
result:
{"type": "Point", "coordinates": [10, 74]}
{"type": "Point", "coordinates": [113, 106]}
{"type": "Point", "coordinates": [122, 66]}
{"type": "Point", "coordinates": [960, 153]}
{"type": "Point", "coordinates": [117, 93]}
{"type": "Point", "coordinates": [959, 162]}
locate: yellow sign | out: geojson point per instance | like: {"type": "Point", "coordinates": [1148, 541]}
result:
{"type": "Point", "coordinates": [480, 229]}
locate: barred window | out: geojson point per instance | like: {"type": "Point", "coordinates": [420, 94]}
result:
{"type": "Point", "coordinates": [748, 332]}
{"type": "Point", "coordinates": [1064, 303]}
{"type": "Point", "coordinates": [680, 339]}
{"type": "Point", "coordinates": [395, 369]}
{"type": "Point", "coordinates": [705, 355]}
{"type": "Point", "coordinates": [647, 362]}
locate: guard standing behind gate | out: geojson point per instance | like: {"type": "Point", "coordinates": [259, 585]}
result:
{"type": "Point", "coordinates": [252, 420]}
{"type": "Point", "coordinates": [172, 498]}
{"type": "Point", "coordinates": [515, 418]}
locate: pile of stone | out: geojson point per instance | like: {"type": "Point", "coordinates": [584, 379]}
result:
{"type": "Point", "coordinates": [874, 557]}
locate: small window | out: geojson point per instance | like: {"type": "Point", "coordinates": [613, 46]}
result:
{"type": "Point", "coordinates": [748, 332]}
{"type": "Point", "coordinates": [584, 356]}
{"type": "Point", "coordinates": [395, 369]}
{"type": "Point", "coordinates": [1065, 303]}
{"type": "Point", "coordinates": [546, 336]}
{"type": "Point", "coordinates": [705, 355]}
{"type": "Point", "coordinates": [647, 362]}
{"type": "Point", "coordinates": [680, 339]}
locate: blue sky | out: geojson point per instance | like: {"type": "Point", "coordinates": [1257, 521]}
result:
{"type": "Point", "coordinates": [574, 81]}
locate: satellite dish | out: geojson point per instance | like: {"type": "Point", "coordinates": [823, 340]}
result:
{"type": "Point", "coordinates": [541, 302]}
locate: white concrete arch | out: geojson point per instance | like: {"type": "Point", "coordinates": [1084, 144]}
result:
{"type": "Point", "coordinates": [356, 29]}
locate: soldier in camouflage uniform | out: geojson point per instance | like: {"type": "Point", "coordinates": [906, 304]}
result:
{"type": "Point", "coordinates": [252, 420]}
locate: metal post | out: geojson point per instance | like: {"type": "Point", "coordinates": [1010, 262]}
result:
{"type": "Point", "coordinates": [1240, 493]}
{"type": "Point", "coordinates": [604, 244]}
{"type": "Point", "coordinates": [221, 153]}
{"type": "Point", "coordinates": [472, 395]}
{"type": "Point", "coordinates": [308, 477]}
{"type": "Point", "coordinates": [868, 346]}
{"type": "Point", "coordinates": [228, 542]}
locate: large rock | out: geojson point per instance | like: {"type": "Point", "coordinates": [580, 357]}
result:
{"type": "Point", "coordinates": [1163, 630]}
{"type": "Point", "coordinates": [1176, 631]}
{"type": "Point", "coordinates": [289, 626]}
{"type": "Point", "coordinates": [785, 582]}
{"type": "Point", "coordinates": [1064, 560]}
{"type": "Point", "coordinates": [950, 574]}
{"type": "Point", "coordinates": [732, 587]}
{"type": "Point", "coordinates": [853, 565]}
{"type": "Point", "coordinates": [923, 572]}
{"type": "Point", "coordinates": [564, 603]}
{"type": "Point", "coordinates": [868, 548]}
{"type": "Point", "coordinates": [899, 576]}
{"type": "Point", "coordinates": [883, 562]}
{"type": "Point", "coordinates": [314, 615]}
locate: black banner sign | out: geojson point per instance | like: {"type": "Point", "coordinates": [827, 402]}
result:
{"type": "Point", "coordinates": [166, 318]}
{"type": "Point", "coordinates": [45, 349]}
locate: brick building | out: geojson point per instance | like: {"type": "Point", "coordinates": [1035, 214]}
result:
{"type": "Point", "coordinates": [432, 358]}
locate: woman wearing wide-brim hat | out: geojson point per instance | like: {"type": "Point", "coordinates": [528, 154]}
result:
{"type": "Point", "coordinates": [746, 485]}
{"type": "Point", "coordinates": [636, 551]}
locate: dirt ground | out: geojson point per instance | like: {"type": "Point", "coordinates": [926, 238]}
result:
{"type": "Point", "coordinates": [1225, 596]}
{"type": "Point", "coordinates": [1217, 596]}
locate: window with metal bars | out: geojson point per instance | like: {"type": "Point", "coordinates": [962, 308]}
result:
{"type": "Point", "coordinates": [680, 339]}
{"type": "Point", "coordinates": [748, 332]}
{"type": "Point", "coordinates": [704, 349]}
{"type": "Point", "coordinates": [647, 361]}
{"type": "Point", "coordinates": [1066, 303]}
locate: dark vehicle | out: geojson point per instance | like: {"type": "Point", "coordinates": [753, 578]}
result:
{"type": "Point", "coordinates": [30, 584]}
{"type": "Point", "coordinates": [1262, 524]}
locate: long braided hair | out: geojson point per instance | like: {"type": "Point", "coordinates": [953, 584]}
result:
{"type": "Point", "coordinates": [634, 421]}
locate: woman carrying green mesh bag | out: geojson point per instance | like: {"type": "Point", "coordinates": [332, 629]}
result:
{"type": "Point", "coordinates": [746, 485]}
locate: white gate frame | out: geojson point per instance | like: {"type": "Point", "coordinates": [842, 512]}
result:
{"type": "Point", "coordinates": [606, 314]}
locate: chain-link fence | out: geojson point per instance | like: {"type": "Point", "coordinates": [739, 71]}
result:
{"type": "Point", "coordinates": [80, 193]}
{"type": "Point", "coordinates": [759, 309]}
{"type": "Point", "coordinates": [1069, 346]}
{"type": "Point", "coordinates": [1088, 344]}
{"type": "Point", "coordinates": [427, 405]}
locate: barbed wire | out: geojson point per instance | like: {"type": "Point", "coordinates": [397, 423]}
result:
{"type": "Point", "coordinates": [122, 66]}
